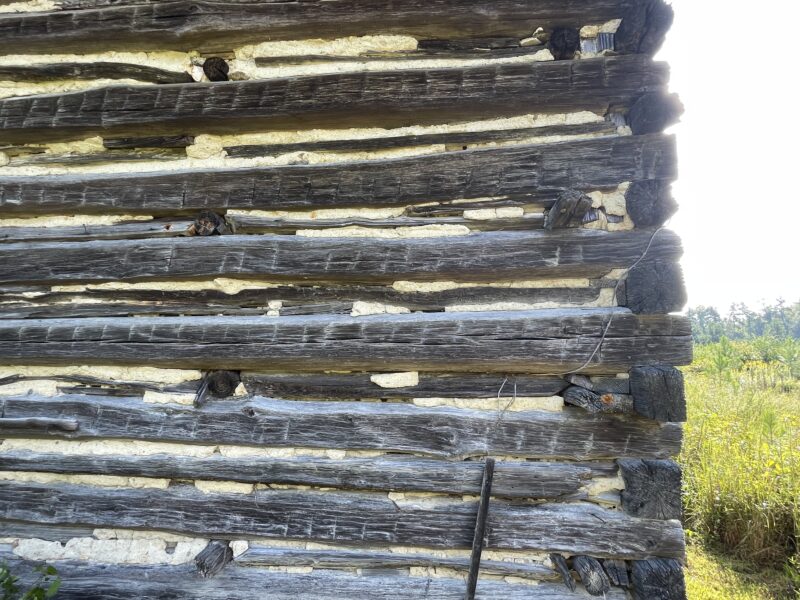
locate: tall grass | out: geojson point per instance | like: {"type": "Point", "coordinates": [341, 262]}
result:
{"type": "Point", "coordinates": [741, 454]}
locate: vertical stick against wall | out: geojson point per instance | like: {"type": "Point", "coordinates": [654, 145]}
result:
{"type": "Point", "coordinates": [480, 529]}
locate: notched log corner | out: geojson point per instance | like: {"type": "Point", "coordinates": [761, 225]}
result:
{"type": "Point", "coordinates": [650, 203]}
{"type": "Point", "coordinates": [592, 575]}
{"type": "Point", "coordinates": [652, 488]}
{"type": "Point", "coordinates": [658, 393]}
{"type": "Point", "coordinates": [658, 579]}
{"type": "Point", "coordinates": [654, 112]}
{"type": "Point", "coordinates": [219, 384]}
{"type": "Point", "coordinates": [568, 211]}
{"type": "Point", "coordinates": [644, 27]}
{"type": "Point", "coordinates": [213, 558]}
{"type": "Point", "coordinates": [653, 287]}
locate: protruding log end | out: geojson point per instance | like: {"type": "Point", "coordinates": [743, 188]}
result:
{"type": "Point", "coordinates": [213, 558]}
{"type": "Point", "coordinates": [564, 43]}
{"type": "Point", "coordinates": [219, 384]}
{"type": "Point", "coordinates": [654, 112]}
{"type": "Point", "coordinates": [643, 29]}
{"type": "Point", "coordinates": [652, 488]}
{"type": "Point", "coordinates": [658, 393]}
{"type": "Point", "coordinates": [658, 579]}
{"type": "Point", "coordinates": [653, 288]}
{"type": "Point", "coordinates": [617, 571]}
{"type": "Point", "coordinates": [208, 223]}
{"type": "Point", "coordinates": [592, 575]}
{"type": "Point", "coordinates": [560, 563]}
{"type": "Point", "coordinates": [593, 402]}
{"type": "Point", "coordinates": [568, 211]}
{"type": "Point", "coordinates": [650, 203]}
{"type": "Point", "coordinates": [216, 69]}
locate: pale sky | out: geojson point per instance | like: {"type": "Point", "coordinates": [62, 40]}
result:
{"type": "Point", "coordinates": [735, 65]}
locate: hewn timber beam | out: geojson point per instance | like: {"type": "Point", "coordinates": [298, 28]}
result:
{"type": "Point", "coordinates": [441, 432]}
{"type": "Point", "coordinates": [384, 98]}
{"type": "Point", "coordinates": [516, 341]}
{"type": "Point", "coordinates": [93, 70]}
{"type": "Point", "coordinates": [187, 25]}
{"type": "Point", "coordinates": [485, 256]}
{"type": "Point", "coordinates": [344, 517]}
{"type": "Point", "coordinates": [82, 581]}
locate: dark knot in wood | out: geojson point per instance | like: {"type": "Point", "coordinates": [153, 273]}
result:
{"type": "Point", "coordinates": [564, 43]}
{"type": "Point", "coordinates": [216, 69]}
{"type": "Point", "coordinates": [222, 384]}
{"type": "Point", "coordinates": [208, 223]}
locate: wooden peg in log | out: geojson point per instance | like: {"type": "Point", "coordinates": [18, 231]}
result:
{"type": "Point", "coordinates": [652, 488]}
{"type": "Point", "coordinates": [593, 402]}
{"type": "Point", "coordinates": [654, 112]}
{"type": "Point", "coordinates": [658, 579]}
{"type": "Point", "coordinates": [213, 558]}
{"type": "Point", "coordinates": [658, 393]}
{"type": "Point", "coordinates": [208, 223]}
{"type": "Point", "coordinates": [653, 287]}
{"type": "Point", "coordinates": [650, 203]}
{"type": "Point", "coordinates": [220, 384]}
{"type": "Point", "coordinates": [617, 571]}
{"type": "Point", "coordinates": [592, 575]}
{"type": "Point", "coordinates": [568, 211]}
{"type": "Point", "coordinates": [560, 563]}
{"type": "Point", "coordinates": [216, 69]}
{"type": "Point", "coordinates": [564, 43]}
{"type": "Point", "coordinates": [39, 423]}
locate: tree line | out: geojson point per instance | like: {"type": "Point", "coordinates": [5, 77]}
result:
{"type": "Point", "coordinates": [779, 320]}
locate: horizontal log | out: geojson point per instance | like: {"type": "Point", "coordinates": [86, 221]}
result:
{"type": "Point", "coordinates": [261, 556]}
{"type": "Point", "coordinates": [544, 341]}
{"type": "Point", "coordinates": [96, 158]}
{"type": "Point", "coordinates": [485, 256]}
{"type": "Point", "coordinates": [173, 141]}
{"type": "Point", "coordinates": [539, 480]}
{"type": "Point", "coordinates": [538, 172]}
{"type": "Point", "coordinates": [344, 517]}
{"type": "Point", "coordinates": [92, 70]}
{"type": "Point", "coordinates": [384, 98]}
{"type": "Point", "coordinates": [464, 139]}
{"type": "Point", "coordinates": [82, 581]}
{"type": "Point", "coordinates": [118, 231]}
{"type": "Point", "coordinates": [440, 432]}
{"type": "Point", "coordinates": [185, 25]}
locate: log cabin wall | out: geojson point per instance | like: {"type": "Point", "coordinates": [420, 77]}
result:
{"type": "Point", "coordinates": [340, 299]}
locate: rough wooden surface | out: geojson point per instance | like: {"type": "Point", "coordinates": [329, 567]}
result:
{"type": "Point", "coordinates": [658, 392]}
{"type": "Point", "coordinates": [184, 25]}
{"type": "Point", "coordinates": [542, 480]}
{"type": "Point", "coordinates": [483, 256]}
{"type": "Point", "coordinates": [652, 488]}
{"type": "Point", "coordinates": [562, 567]}
{"type": "Point", "coordinates": [534, 172]}
{"type": "Point", "coordinates": [337, 516]}
{"type": "Point", "coordinates": [82, 582]}
{"type": "Point", "coordinates": [592, 575]}
{"type": "Point", "coordinates": [93, 70]}
{"type": "Point", "coordinates": [658, 579]}
{"type": "Point", "coordinates": [650, 203]}
{"type": "Point", "coordinates": [598, 403]}
{"type": "Point", "coordinates": [377, 98]}
{"type": "Point", "coordinates": [654, 287]}
{"type": "Point", "coordinates": [213, 558]}
{"type": "Point", "coordinates": [131, 230]}
{"type": "Point", "coordinates": [541, 341]}
{"type": "Point", "coordinates": [440, 432]}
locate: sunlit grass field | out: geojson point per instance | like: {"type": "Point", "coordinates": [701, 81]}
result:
{"type": "Point", "coordinates": [741, 462]}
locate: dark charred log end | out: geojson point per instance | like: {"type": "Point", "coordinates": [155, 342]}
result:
{"type": "Point", "coordinates": [222, 384]}
{"type": "Point", "coordinates": [652, 488]}
{"type": "Point", "coordinates": [564, 43]}
{"type": "Point", "coordinates": [658, 579]}
{"type": "Point", "coordinates": [592, 575]}
{"type": "Point", "coordinates": [658, 393]}
{"type": "Point", "coordinates": [213, 558]}
{"type": "Point", "coordinates": [569, 210]}
{"type": "Point", "coordinates": [216, 69]}
{"type": "Point", "coordinates": [650, 203]}
{"type": "Point", "coordinates": [654, 112]}
{"type": "Point", "coordinates": [655, 288]}
{"type": "Point", "coordinates": [208, 223]}
{"type": "Point", "coordinates": [617, 571]}
{"type": "Point", "coordinates": [643, 29]}
{"type": "Point", "coordinates": [560, 564]}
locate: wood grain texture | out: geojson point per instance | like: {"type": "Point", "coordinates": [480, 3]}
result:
{"type": "Point", "coordinates": [658, 392]}
{"type": "Point", "coordinates": [483, 256]}
{"type": "Point", "coordinates": [346, 517]}
{"type": "Point", "coordinates": [542, 480]}
{"type": "Point", "coordinates": [652, 488]}
{"type": "Point", "coordinates": [438, 432]}
{"type": "Point", "coordinates": [130, 230]}
{"type": "Point", "coordinates": [185, 25]}
{"type": "Point", "coordinates": [377, 98]}
{"type": "Point", "coordinates": [93, 70]}
{"type": "Point", "coordinates": [82, 582]}
{"type": "Point", "coordinates": [532, 172]}
{"type": "Point", "coordinates": [543, 341]}
{"type": "Point", "coordinates": [657, 579]}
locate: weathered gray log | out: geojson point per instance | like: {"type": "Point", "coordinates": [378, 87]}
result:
{"type": "Point", "coordinates": [452, 139]}
{"type": "Point", "coordinates": [592, 576]}
{"type": "Point", "coordinates": [539, 341]}
{"type": "Point", "coordinates": [658, 392]}
{"type": "Point", "coordinates": [439, 432]}
{"type": "Point", "coordinates": [617, 571]}
{"type": "Point", "coordinates": [385, 98]}
{"type": "Point", "coordinates": [38, 424]}
{"type": "Point", "coordinates": [347, 517]}
{"type": "Point", "coordinates": [86, 581]}
{"type": "Point", "coordinates": [213, 558]}
{"type": "Point", "coordinates": [321, 386]}
{"type": "Point", "coordinates": [540, 480]}
{"type": "Point", "coordinates": [653, 287]}
{"type": "Point", "coordinates": [562, 567]}
{"type": "Point", "coordinates": [657, 579]}
{"type": "Point", "coordinates": [600, 384]}
{"type": "Point", "coordinates": [260, 556]}
{"type": "Point", "coordinates": [485, 256]}
{"type": "Point", "coordinates": [117, 231]}
{"type": "Point", "coordinates": [569, 210]}
{"type": "Point", "coordinates": [652, 488]}
{"type": "Point", "coordinates": [55, 533]}
{"type": "Point", "coordinates": [537, 172]}
{"type": "Point", "coordinates": [172, 141]}
{"type": "Point", "coordinates": [97, 158]}
{"type": "Point", "coordinates": [654, 112]}
{"type": "Point", "coordinates": [650, 203]}
{"type": "Point", "coordinates": [598, 403]}
{"type": "Point", "coordinates": [91, 70]}
{"type": "Point", "coordinates": [644, 27]}
{"type": "Point", "coordinates": [184, 25]}
{"type": "Point", "coordinates": [480, 528]}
